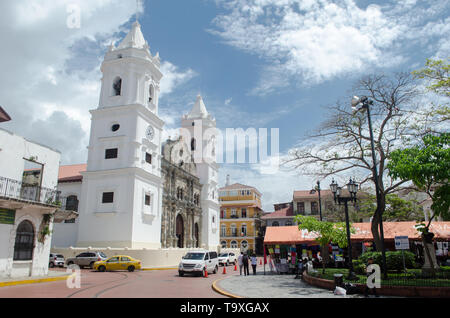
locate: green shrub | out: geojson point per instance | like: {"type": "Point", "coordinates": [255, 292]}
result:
{"type": "Point", "coordinates": [394, 260]}
{"type": "Point", "coordinates": [359, 267]}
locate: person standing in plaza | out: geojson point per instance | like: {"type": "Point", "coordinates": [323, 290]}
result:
{"type": "Point", "coordinates": [245, 261]}
{"type": "Point", "coordinates": [241, 263]}
{"type": "Point", "coordinates": [254, 261]}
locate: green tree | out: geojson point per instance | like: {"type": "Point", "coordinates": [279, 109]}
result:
{"type": "Point", "coordinates": [428, 167]}
{"type": "Point", "coordinates": [397, 209]}
{"type": "Point", "coordinates": [326, 232]}
{"type": "Point", "coordinates": [434, 118]}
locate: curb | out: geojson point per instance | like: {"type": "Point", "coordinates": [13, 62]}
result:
{"type": "Point", "coordinates": [34, 281]}
{"type": "Point", "coordinates": [221, 291]}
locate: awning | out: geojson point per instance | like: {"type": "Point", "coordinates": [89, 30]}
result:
{"type": "Point", "coordinates": [292, 235]}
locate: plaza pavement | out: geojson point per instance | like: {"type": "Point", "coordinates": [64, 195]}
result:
{"type": "Point", "coordinates": [271, 286]}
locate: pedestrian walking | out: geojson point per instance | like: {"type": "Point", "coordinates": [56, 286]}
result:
{"type": "Point", "coordinates": [245, 261]}
{"type": "Point", "coordinates": [254, 261]}
{"type": "Point", "coordinates": [241, 263]}
{"type": "Point", "coordinates": [299, 268]}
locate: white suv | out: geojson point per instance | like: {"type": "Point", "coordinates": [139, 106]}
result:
{"type": "Point", "coordinates": [227, 259]}
{"type": "Point", "coordinates": [199, 261]}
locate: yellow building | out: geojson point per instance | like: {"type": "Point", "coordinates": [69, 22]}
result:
{"type": "Point", "coordinates": [240, 213]}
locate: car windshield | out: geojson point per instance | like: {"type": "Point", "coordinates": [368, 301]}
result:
{"type": "Point", "coordinates": [223, 255]}
{"type": "Point", "coordinates": [60, 256]}
{"type": "Point", "coordinates": [102, 254]}
{"type": "Point", "coordinates": [195, 256]}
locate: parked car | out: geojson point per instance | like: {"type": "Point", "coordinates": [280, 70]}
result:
{"type": "Point", "coordinates": [199, 261]}
{"type": "Point", "coordinates": [117, 263]}
{"type": "Point", "coordinates": [227, 259]}
{"type": "Point", "coordinates": [56, 260]}
{"type": "Point", "coordinates": [86, 259]}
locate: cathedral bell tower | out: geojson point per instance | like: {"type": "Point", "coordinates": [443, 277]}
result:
{"type": "Point", "coordinates": [199, 128]}
{"type": "Point", "coordinates": [121, 198]}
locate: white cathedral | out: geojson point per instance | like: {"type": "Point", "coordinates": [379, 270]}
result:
{"type": "Point", "coordinates": [136, 191]}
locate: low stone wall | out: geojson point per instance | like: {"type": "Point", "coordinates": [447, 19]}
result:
{"type": "Point", "coordinates": [151, 258]}
{"type": "Point", "coordinates": [399, 291]}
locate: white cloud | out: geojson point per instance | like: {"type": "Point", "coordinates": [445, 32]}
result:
{"type": "Point", "coordinates": [315, 41]}
{"type": "Point", "coordinates": [51, 75]}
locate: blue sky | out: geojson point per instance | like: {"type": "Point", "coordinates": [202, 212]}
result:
{"type": "Point", "coordinates": [257, 63]}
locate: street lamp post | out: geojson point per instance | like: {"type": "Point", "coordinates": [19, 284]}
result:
{"type": "Point", "coordinates": [365, 103]}
{"type": "Point", "coordinates": [320, 202]}
{"type": "Point", "coordinates": [353, 189]}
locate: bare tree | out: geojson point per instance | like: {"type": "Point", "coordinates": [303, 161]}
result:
{"type": "Point", "coordinates": [341, 145]}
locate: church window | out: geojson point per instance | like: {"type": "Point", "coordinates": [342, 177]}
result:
{"type": "Point", "coordinates": [147, 200]}
{"type": "Point", "coordinates": [115, 127]}
{"type": "Point", "coordinates": [234, 244]}
{"type": "Point", "coordinates": [148, 158]}
{"type": "Point", "coordinates": [108, 197]}
{"type": "Point", "coordinates": [193, 144]}
{"type": "Point", "coordinates": [224, 244]}
{"type": "Point", "coordinates": [117, 86]}
{"type": "Point", "coordinates": [151, 93]}
{"type": "Point", "coordinates": [111, 153]}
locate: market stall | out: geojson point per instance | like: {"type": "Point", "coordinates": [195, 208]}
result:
{"type": "Point", "coordinates": [284, 245]}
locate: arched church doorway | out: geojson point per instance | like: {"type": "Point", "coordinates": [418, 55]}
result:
{"type": "Point", "coordinates": [197, 237]}
{"type": "Point", "coordinates": [180, 231]}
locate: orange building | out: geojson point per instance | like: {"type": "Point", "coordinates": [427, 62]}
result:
{"type": "Point", "coordinates": [240, 217]}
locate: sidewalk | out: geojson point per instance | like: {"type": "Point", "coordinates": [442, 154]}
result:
{"type": "Point", "coordinates": [272, 286]}
{"type": "Point", "coordinates": [51, 277]}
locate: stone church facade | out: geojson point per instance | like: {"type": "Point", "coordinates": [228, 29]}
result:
{"type": "Point", "coordinates": [182, 213]}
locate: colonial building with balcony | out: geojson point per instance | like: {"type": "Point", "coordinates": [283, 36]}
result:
{"type": "Point", "coordinates": [240, 217]}
{"type": "Point", "coordinates": [29, 205]}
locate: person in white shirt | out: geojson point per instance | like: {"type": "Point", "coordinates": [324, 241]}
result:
{"type": "Point", "coordinates": [254, 261]}
{"type": "Point", "coordinates": [241, 263]}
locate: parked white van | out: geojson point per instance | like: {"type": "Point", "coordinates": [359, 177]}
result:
{"type": "Point", "coordinates": [197, 262]}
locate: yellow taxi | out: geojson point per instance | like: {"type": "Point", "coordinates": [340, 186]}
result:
{"type": "Point", "coordinates": [117, 263]}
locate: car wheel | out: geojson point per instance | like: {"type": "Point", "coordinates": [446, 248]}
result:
{"type": "Point", "coordinates": [216, 269]}
{"type": "Point", "coordinates": [51, 265]}
{"type": "Point", "coordinates": [131, 268]}
{"type": "Point", "coordinates": [102, 268]}
{"type": "Point", "coordinates": [69, 263]}
{"type": "Point", "coordinates": [180, 273]}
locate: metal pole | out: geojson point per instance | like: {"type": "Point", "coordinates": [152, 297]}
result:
{"type": "Point", "coordinates": [320, 202]}
{"type": "Point", "coordinates": [347, 223]}
{"type": "Point", "coordinates": [377, 189]}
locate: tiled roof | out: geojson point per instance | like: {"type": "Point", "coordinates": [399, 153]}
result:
{"type": "Point", "coordinates": [292, 235]}
{"type": "Point", "coordinates": [283, 213]}
{"type": "Point", "coordinates": [306, 194]}
{"type": "Point", "coordinates": [238, 186]}
{"type": "Point", "coordinates": [71, 173]}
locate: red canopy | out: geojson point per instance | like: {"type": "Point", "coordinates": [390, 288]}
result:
{"type": "Point", "coordinates": [292, 235]}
